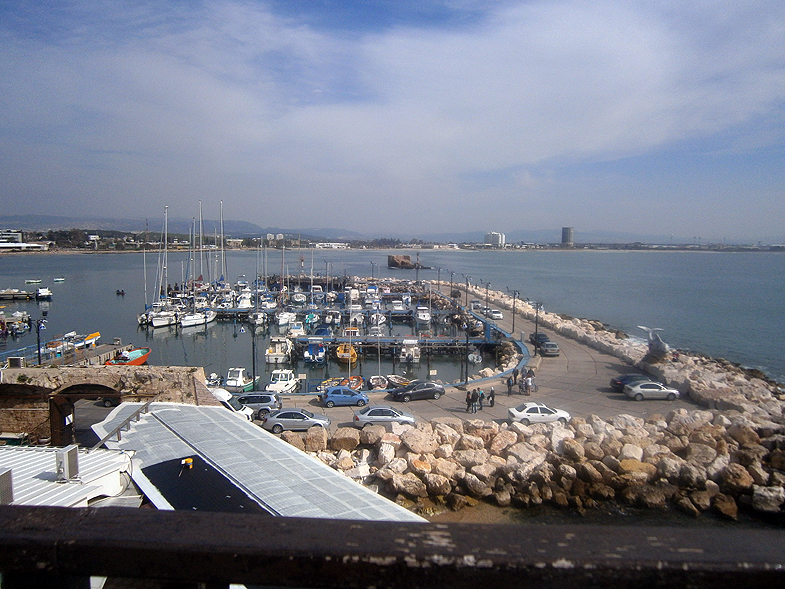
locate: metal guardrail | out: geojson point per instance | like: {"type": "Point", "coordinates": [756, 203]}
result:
{"type": "Point", "coordinates": [52, 547]}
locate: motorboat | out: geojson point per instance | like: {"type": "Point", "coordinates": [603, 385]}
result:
{"type": "Point", "coordinates": [279, 351]}
{"type": "Point", "coordinates": [134, 357]}
{"type": "Point", "coordinates": [315, 353]}
{"type": "Point", "coordinates": [397, 380]}
{"type": "Point", "coordinates": [283, 381]}
{"type": "Point", "coordinates": [378, 382]}
{"type": "Point", "coordinates": [197, 318]}
{"type": "Point", "coordinates": [410, 351]}
{"type": "Point", "coordinates": [346, 353]}
{"type": "Point", "coordinates": [296, 329]}
{"type": "Point", "coordinates": [237, 381]}
{"type": "Point", "coordinates": [258, 318]}
{"type": "Point", "coordinates": [43, 293]}
{"type": "Point", "coordinates": [474, 357]}
{"type": "Point", "coordinates": [378, 318]}
{"type": "Point", "coordinates": [422, 315]}
{"type": "Point", "coordinates": [285, 317]}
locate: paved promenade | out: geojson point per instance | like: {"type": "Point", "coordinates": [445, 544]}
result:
{"type": "Point", "coordinates": [576, 381]}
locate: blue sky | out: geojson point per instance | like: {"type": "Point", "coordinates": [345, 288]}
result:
{"type": "Point", "coordinates": [401, 117]}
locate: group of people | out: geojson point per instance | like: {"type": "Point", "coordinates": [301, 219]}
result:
{"type": "Point", "coordinates": [476, 397]}
{"type": "Point", "coordinates": [527, 384]}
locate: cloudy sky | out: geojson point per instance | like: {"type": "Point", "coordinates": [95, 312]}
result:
{"type": "Point", "coordinates": [400, 116]}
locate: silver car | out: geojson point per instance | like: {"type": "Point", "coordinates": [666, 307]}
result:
{"type": "Point", "coordinates": [528, 413]}
{"type": "Point", "coordinates": [294, 420]}
{"type": "Point", "coordinates": [380, 415]}
{"type": "Point", "coordinates": [261, 403]}
{"type": "Point", "coordinates": [649, 389]}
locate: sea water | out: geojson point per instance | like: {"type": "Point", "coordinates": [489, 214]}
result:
{"type": "Point", "coordinates": [728, 305]}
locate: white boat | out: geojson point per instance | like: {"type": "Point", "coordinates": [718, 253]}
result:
{"type": "Point", "coordinates": [198, 318]}
{"type": "Point", "coordinates": [410, 351]}
{"type": "Point", "coordinates": [332, 317]}
{"type": "Point", "coordinates": [298, 298]}
{"type": "Point", "coordinates": [296, 329]}
{"type": "Point", "coordinates": [246, 300]}
{"type": "Point", "coordinates": [422, 315]}
{"type": "Point", "coordinates": [43, 293]}
{"type": "Point", "coordinates": [279, 351]}
{"type": "Point", "coordinates": [376, 331]}
{"type": "Point", "coordinates": [378, 318]}
{"type": "Point", "coordinates": [285, 317]}
{"type": "Point", "coordinates": [258, 318]}
{"type": "Point", "coordinates": [238, 382]}
{"type": "Point", "coordinates": [397, 305]}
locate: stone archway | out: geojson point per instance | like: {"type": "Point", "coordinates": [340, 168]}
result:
{"type": "Point", "coordinates": [61, 408]}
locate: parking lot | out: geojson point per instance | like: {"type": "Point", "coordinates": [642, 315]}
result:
{"type": "Point", "coordinates": [577, 381]}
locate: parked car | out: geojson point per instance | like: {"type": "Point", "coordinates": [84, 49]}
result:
{"type": "Point", "coordinates": [231, 403]}
{"type": "Point", "coordinates": [417, 389]}
{"type": "Point", "coordinates": [528, 413]}
{"type": "Point", "coordinates": [549, 348]}
{"type": "Point", "coordinates": [380, 415]}
{"type": "Point", "coordinates": [537, 339]}
{"type": "Point", "coordinates": [619, 382]}
{"type": "Point", "coordinates": [649, 389]}
{"type": "Point", "coordinates": [261, 403]}
{"type": "Point", "coordinates": [294, 420]}
{"type": "Point", "coordinates": [496, 314]}
{"type": "Point", "coordinates": [342, 395]}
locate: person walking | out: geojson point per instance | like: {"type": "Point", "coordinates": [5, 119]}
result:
{"type": "Point", "coordinates": [529, 382]}
{"type": "Point", "coordinates": [481, 397]}
{"type": "Point", "coordinates": [509, 386]}
{"type": "Point", "coordinates": [475, 398]}
{"type": "Point", "coordinates": [515, 374]}
{"type": "Point", "coordinates": [492, 398]}
{"type": "Point", "coordinates": [468, 401]}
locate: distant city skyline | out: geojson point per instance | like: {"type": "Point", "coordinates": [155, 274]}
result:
{"type": "Point", "coordinates": [401, 117]}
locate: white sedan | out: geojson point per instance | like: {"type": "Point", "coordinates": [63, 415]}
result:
{"type": "Point", "coordinates": [496, 314]}
{"type": "Point", "coordinates": [648, 389]}
{"type": "Point", "coordinates": [528, 413]}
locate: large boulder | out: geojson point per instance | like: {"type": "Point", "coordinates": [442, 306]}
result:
{"type": "Point", "coordinates": [419, 442]}
{"type": "Point", "coordinates": [437, 484]}
{"type": "Point", "coordinates": [408, 484]}
{"type": "Point", "coordinates": [293, 438]}
{"type": "Point", "coordinates": [372, 434]}
{"type": "Point", "coordinates": [767, 499]}
{"type": "Point", "coordinates": [316, 439]}
{"type": "Point", "coordinates": [345, 438]}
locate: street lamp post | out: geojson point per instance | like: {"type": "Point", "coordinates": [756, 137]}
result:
{"type": "Point", "coordinates": [468, 279]}
{"type": "Point", "coordinates": [439, 279]}
{"type": "Point", "coordinates": [372, 266]}
{"type": "Point", "coordinates": [515, 295]}
{"type": "Point", "coordinates": [487, 286]}
{"type": "Point", "coordinates": [537, 307]}
{"type": "Point", "coordinates": [40, 324]}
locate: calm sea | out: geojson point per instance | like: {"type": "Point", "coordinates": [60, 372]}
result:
{"type": "Point", "coordinates": [728, 305]}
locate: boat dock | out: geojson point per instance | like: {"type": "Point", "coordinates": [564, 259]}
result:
{"type": "Point", "coordinates": [95, 355]}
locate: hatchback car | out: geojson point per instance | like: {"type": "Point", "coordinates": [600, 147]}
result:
{"type": "Point", "coordinates": [549, 349]}
{"type": "Point", "coordinates": [261, 403]}
{"type": "Point", "coordinates": [648, 389]}
{"type": "Point", "coordinates": [342, 395]}
{"type": "Point", "coordinates": [528, 413]}
{"type": "Point", "coordinates": [380, 415]}
{"type": "Point", "coordinates": [294, 420]}
{"type": "Point", "coordinates": [417, 389]}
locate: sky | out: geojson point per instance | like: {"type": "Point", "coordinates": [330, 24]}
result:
{"type": "Point", "coordinates": [392, 117]}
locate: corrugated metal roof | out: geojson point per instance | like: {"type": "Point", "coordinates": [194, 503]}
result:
{"type": "Point", "coordinates": [280, 477]}
{"type": "Point", "coordinates": [34, 475]}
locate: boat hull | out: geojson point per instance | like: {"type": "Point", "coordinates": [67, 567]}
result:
{"type": "Point", "coordinates": [137, 357]}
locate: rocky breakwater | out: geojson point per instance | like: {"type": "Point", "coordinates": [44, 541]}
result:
{"type": "Point", "coordinates": [712, 383]}
{"type": "Point", "coordinates": [696, 460]}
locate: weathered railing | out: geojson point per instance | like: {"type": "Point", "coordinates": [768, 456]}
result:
{"type": "Point", "coordinates": [58, 547]}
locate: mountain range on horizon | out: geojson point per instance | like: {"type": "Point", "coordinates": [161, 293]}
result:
{"type": "Point", "coordinates": [242, 229]}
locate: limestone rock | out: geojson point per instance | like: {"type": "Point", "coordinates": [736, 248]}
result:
{"type": "Point", "coordinates": [385, 454]}
{"type": "Point", "coordinates": [408, 484]}
{"type": "Point", "coordinates": [316, 439]}
{"type": "Point", "coordinates": [469, 458]}
{"type": "Point", "coordinates": [437, 484]}
{"type": "Point", "coordinates": [735, 479]}
{"type": "Point", "coordinates": [470, 442]}
{"type": "Point", "coordinates": [475, 486]}
{"type": "Point", "coordinates": [573, 449]}
{"type": "Point", "coordinates": [726, 506]}
{"type": "Point", "coordinates": [372, 434]}
{"type": "Point", "coordinates": [345, 438]}
{"type": "Point", "coordinates": [767, 499]}
{"type": "Point", "coordinates": [294, 439]}
{"type": "Point", "coordinates": [504, 439]}
{"type": "Point", "coordinates": [743, 434]}
{"type": "Point", "coordinates": [419, 442]}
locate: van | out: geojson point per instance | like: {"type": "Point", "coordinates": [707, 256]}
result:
{"type": "Point", "coordinates": [231, 403]}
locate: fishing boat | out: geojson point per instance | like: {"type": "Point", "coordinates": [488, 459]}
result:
{"type": "Point", "coordinates": [315, 353]}
{"type": "Point", "coordinates": [33, 281]}
{"type": "Point", "coordinates": [59, 279]}
{"type": "Point", "coordinates": [378, 318]}
{"type": "Point", "coordinates": [134, 357]}
{"type": "Point", "coordinates": [237, 381]}
{"type": "Point", "coordinates": [296, 329]}
{"type": "Point", "coordinates": [346, 353]}
{"type": "Point", "coordinates": [43, 293]}
{"type": "Point", "coordinates": [279, 351]}
{"type": "Point", "coordinates": [410, 351]}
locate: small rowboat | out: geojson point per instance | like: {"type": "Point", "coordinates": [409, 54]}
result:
{"type": "Point", "coordinates": [135, 357]}
{"type": "Point", "coordinates": [353, 382]}
{"type": "Point", "coordinates": [378, 382]}
{"type": "Point", "coordinates": [398, 381]}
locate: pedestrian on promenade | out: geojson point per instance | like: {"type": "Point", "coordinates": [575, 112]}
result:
{"type": "Point", "coordinates": [522, 387]}
{"type": "Point", "coordinates": [509, 386]}
{"type": "Point", "coordinates": [515, 374]}
{"type": "Point", "coordinates": [530, 372]}
{"type": "Point", "coordinates": [481, 397]}
{"type": "Point", "coordinates": [468, 401]}
{"type": "Point", "coordinates": [475, 398]}
{"type": "Point", "coordinates": [492, 398]}
{"type": "Point", "coordinates": [529, 382]}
